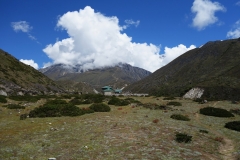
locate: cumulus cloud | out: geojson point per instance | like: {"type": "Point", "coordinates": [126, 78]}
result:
{"type": "Point", "coordinates": [235, 31]}
{"type": "Point", "coordinates": [97, 41]}
{"type": "Point", "coordinates": [29, 62]}
{"type": "Point", "coordinates": [172, 53]}
{"type": "Point", "coordinates": [23, 26]}
{"type": "Point", "coordinates": [204, 11]}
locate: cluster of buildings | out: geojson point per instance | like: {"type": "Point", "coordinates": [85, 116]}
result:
{"type": "Point", "coordinates": [108, 91]}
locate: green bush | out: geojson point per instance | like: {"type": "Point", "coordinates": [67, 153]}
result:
{"type": "Point", "coordinates": [56, 110]}
{"type": "Point", "coordinates": [14, 106]}
{"type": "Point", "coordinates": [66, 96]}
{"type": "Point", "coordinates": [180, 117]}
{"type": "Point", "coordinates": [56, 101]}
{"type": "Point", "coordinates": [182, 137]}
{"type": "Point", "coordinates": [3, 99]}
{"type": "Point", "coordinates": [235, 111]}
{"type": "Point", "coordinates": [123, 103]}
{"type": "Point", "coordinates": [93, 98]}
{"type": "Point", "coordinates": [100, 107]}
{"type": "Point", "coordinates": [173, 103]}
{"type": "Point", "coordinates": [23, 116]}
{"type": "Point", "coordinates": [71, 110]}
{"type": "Point", "coordinates": [114, 101]}
{"type": "Point", "coordinates": [25, 98]}
{"type": "Point", "coordinates": [203, 131]}
{"type": "Point", "coordinates": [75, 101]}
{"type": "Point", "coordinates": [154, 106]}
{"type": "Point", "coordinates": [234, 125]}
{"type": "Point", "coordinates": [45, 111]}
{"type": "Point", "coordinates": [216, 112]}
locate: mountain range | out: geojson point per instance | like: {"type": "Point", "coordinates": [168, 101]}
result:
{"type": "Point", "coordinates": [116, 76]}
{"type": "Point", "coordinates": [213, 67]}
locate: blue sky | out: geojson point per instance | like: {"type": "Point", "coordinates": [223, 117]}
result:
{"type": "Point", "coordinates": [146, 34]}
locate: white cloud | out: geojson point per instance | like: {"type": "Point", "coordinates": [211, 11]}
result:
{"type": "Point", "coordinates": [205, 13]}
{"type": "Point", "coordinates": [235, 31]}
{"type": "Point", "coordinates": [24, 27]}
{"type": "Point", "coordinates": [29, 62]}
{"type": "Point", "coordinates": [172, 53]}
{"type": "Point", "coordinates": [238, 3]}
{"type": "Point", "coordinates": [131, 22]}
{"type": "Point", "coordinates": [21, 26]}
{"type": "Point", "coordinates": [98, 41]}
{"type": "Point", "coordinates": [45, 65]}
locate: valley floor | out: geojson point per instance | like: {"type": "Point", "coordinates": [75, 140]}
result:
{"type": "Point", "coordinates": [126, 132]}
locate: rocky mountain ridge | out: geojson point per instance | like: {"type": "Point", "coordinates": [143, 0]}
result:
{"type": "Point", "coordinates": [117, 76]}
{"type": "Point", "coordinates": [17, 78]}
{"type": "Point", "coordinates": [213, 67]}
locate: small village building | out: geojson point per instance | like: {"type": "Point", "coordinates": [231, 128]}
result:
{"type": "Point", "coordinates": [107, 90]}
{"type": "Point", "coordinates": [118, 91]}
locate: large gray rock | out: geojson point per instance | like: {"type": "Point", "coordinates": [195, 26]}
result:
{"type": "Point", "coordinates": [3, 93]}
{"type": "Point", "coordinates": [194, 93]}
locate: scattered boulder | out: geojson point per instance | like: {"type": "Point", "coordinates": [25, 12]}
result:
{"type": "Point", "coordinates": [194, 93]}
{"type": "Point", "coordinates": [3, 93]}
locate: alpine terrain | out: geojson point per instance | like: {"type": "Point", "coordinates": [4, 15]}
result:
{"type": "Point", "coordinates": [214, 67]}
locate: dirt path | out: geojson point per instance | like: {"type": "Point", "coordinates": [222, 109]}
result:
{"type": "Point", "coordinates": [226, 147]}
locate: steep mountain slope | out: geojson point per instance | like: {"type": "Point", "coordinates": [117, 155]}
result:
{"type": "Point", "coordinates": [214, 67]}
{"type": "Point", "coordinates": [116, 76]}
{"type": "Point", "coordinates": [76, 87]}
{"type": "Point", "coordinates": [18, 78]}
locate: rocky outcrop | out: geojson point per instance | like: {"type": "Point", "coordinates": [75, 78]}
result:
{"type": "Point", "coordinates": [194, 93]}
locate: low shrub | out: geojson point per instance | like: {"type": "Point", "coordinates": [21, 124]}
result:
{"type": "Point", "coordinates": [216, 112]}
{"type": "Point", "coordinates": [55, 102]}
{"type": "Point", "coordinates": [173, 103]}
{"type": "Point", "coordinates": [45, 111]}
{"type": "Point", "coordinates": [155, 120]}
{"type": "Point", "coordinates": [114, 101]}
{"type": "Point", "coordinates": [163, 107]}
{"type": "Point", "coordinates": [235, 111]}
{"type": "Point", "coordinates": [3, 99]}
{"type": "Point", "coordinates": [70, 110]}
{"type": "Point", "coordinates": [100, 107]}
{"type": "Point", "coordinates": [87, 110]}
{"type": "Point", "coordinates": [66, 96]}
{"type": "Point", "coordinates": [182, 137]}
{"type": "Point", "coordinates": [234, 125]}
{"type": "Point", "coordinates": [23, 116]}
{"type": "Point", "coordinates": [155, 106]}
{"type": "Point", "coordinates": [180, 117]}
{"type": "Point", "coordinates": [25, 98]}
{"type": "Point", "coordinates": [75, 101]}
{"type": "Point", "coordinates": [203, 131]}
{"type": "Point", "coordinates": [219, 139]}
{"type": "Point", "coordinates": [92, 98]}
{"type": "Point", "coordinates": [14, 106]}
{"type": "Point", "coordinates": [55, 110]}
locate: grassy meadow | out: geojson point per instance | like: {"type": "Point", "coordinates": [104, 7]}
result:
{"type": "Point", "coordinates": [131, 132]}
